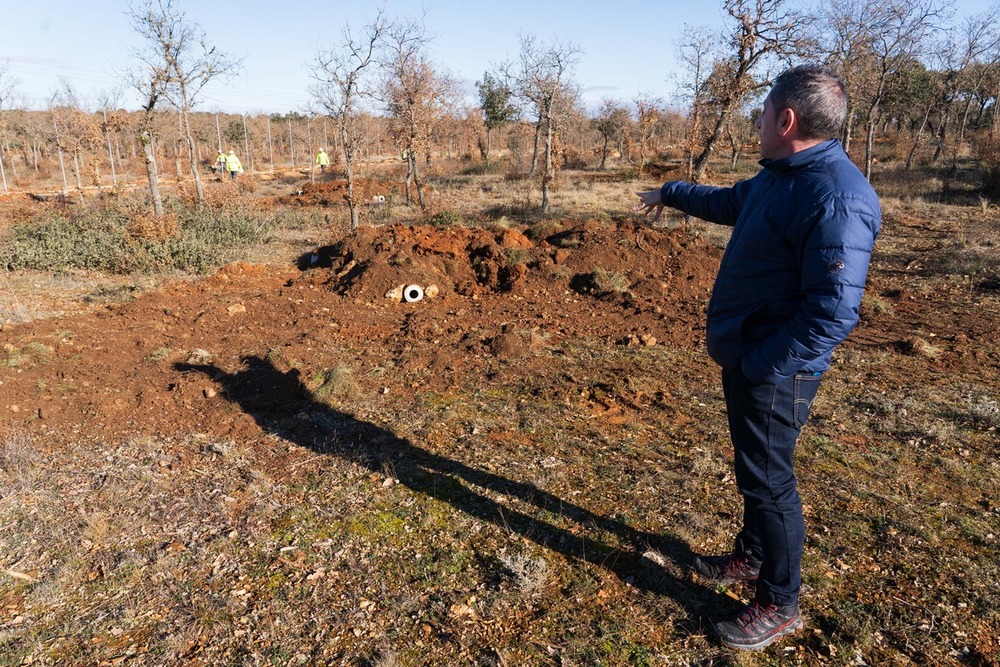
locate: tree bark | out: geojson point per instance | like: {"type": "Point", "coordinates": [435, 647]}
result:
{"type": "Point", "coordinates": [918, 140]}
{"type": "Point", "coordinates": [848, 134]}
{"type": "Point", "coordinates": [409, 178]}
{"type": "Point", "coordinates": [348, 148]}
{"type": "Point", "coordinates": [146, 139]}
{"type": "Point", "coordinates": [489, 145]}
{"type": "Point", "coordinates": [416, 182]}
{"type": "Point", "coordinates": [192, 159]}
{"type": "Point", "coordinates": [548, 176]}
{"type": "Point", "coordinates": [942, 135]}
{"type": "Point", "coordinates": [701, 162]}
{"type": "Point", "coordinates": [534, 149]}
{"type": "Point", "coordinates": [77, 175]}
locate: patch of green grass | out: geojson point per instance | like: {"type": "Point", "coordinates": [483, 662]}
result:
{"type": "Point", "coordinates": [517, 255]}
{"type": "Point", "coordinates": [159, 354]}
{"type": "Point", "coordinates": [446, 218]}
{"type": "Point", "coordinates": [378, 525]}
{"type": "Point", "coordinates": [605, 281]}
{"type": "Point", "coordinates": [335, 382]}
{"type": "Point", "coordinates": [29, 355]}
{"type": "Point", "coordinates": [112, 293]}
{"type": "Point", "coordinates": [877, 305]}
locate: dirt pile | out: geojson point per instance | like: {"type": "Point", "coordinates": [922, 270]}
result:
{"type": "Point", "coordinates": [333, 192]}
{"type": "Point", "coordinates": [622, 260]}
{"type": "Point", "coordinates": [502, 294]}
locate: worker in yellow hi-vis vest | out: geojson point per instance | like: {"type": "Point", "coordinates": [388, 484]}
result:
{"type": "Point", "coordinates": [322, 159]}
{"type": "Point", "coordinates": [233, 165]}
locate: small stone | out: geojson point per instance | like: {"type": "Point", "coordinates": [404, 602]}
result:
{"type": "Point", "coordinates": [396, 293]}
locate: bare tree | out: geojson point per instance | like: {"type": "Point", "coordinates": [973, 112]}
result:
{"type": "Point", "coordinates": [917, 94]}
{"type": "Point", "coordinates": [977, 40]}
{"type": "Point", "coordinates": [7, 87]}
{"type": "Point", "coordinates": [150, 78]}
{"type": "Point", "coordinates": [415, 95]}
{"type": "Point", "coordinates": [877, 38]}
{"type": "Point", "coordinates": [109, 102]}
{"type": "Point", "coordinates": [74, 131]}
{"type": "Point", "coordinates": [698, 51]}
{"type": "Point", "coordinates": [178, 62]}
{"type": "Point", "coordinates": [342, 81]}
{"type": "Point", "coordinates": [848, 45]}
{"type": "Point", "coordinates": [764, 33]}
{"type": "Point", "coordinates": [739, 130]}
{"type": "Point", "coordinates": [543, 79]}
{"type": "Point", "coordinates": [611, 122]}
{"type": "Point", "coordinates": [647, 115]}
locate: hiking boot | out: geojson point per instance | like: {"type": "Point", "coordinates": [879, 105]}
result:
{"type": "Point", "coordinates": [740, 565]}
{"type": "Point", "coordinates": [759, 624]}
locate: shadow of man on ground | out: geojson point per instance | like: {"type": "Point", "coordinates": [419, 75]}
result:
{"type": "Point", "coordinates": [282, 405]}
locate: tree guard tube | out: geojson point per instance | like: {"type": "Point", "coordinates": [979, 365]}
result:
{"type": "Point", "coordinates": [413, 293]}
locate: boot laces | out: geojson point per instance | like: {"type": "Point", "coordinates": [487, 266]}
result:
{"type": "Point", "coordinates": [757, 612]}
{"type": "Point", "coordinates": [737, 566]}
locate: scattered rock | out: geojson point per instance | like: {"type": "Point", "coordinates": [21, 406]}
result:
{"type": "Point", "coordinates": [635, 340]}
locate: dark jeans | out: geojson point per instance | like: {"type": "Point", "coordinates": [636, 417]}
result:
{"type": "Point", "coordinates": [764, 422]}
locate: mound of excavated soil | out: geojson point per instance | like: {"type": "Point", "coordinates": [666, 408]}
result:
{"type": "Point", "coordinates": [125, 369]}
{"type": "Point", "coordinates": [623, 260]}
{"type": "Point", "coordinates": [329, 193]}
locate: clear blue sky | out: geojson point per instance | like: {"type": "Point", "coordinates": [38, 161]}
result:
{"type": "Point", "coordinates": [628, 46]}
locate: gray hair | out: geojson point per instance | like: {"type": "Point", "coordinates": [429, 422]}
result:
{"type": "Point", "coordinates": [817, 94]}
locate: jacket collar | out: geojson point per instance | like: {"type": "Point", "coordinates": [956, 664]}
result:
{"type": "Point", "coordinates": [801, 159]}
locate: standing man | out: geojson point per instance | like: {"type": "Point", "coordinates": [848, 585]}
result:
{"type": "Point", "coordinates": [322, 159]}
{"type": "Point", "coordinates": [233, 165]}
{"type": "Point", "coordinates": [220, 163]}
{"type": "Point", "coordinates": [788, 292]}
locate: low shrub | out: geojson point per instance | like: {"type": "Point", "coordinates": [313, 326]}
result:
{"type": "Point", "coordinates": [116, 240]}
{"type": "Point", "coordinates": [446, 218]}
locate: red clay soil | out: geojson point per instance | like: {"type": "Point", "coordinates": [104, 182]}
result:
{"type": "Point", "coordinates": [119, 371]}
{"type": "Point", "coordinates": [501, 292]}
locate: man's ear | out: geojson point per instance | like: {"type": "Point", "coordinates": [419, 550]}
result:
{"type": "Point", "coordinates": [787, 120]}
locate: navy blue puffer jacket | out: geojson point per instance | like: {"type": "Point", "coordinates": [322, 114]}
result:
{"type": "Point", "coordinates": [791, 279]}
